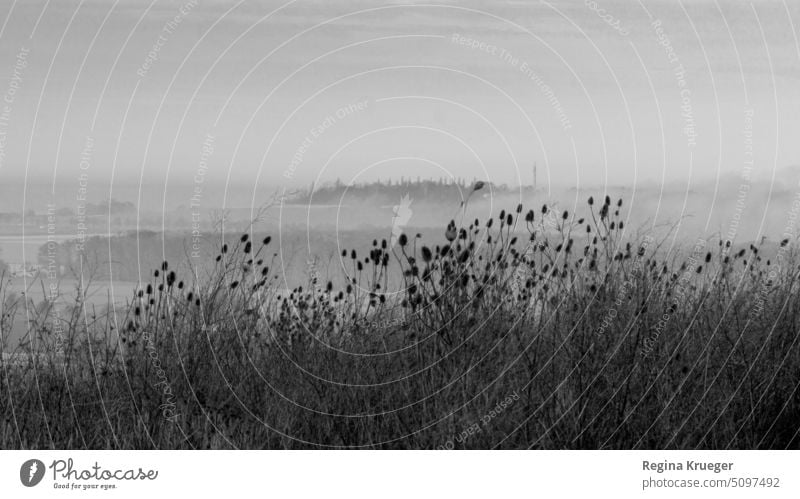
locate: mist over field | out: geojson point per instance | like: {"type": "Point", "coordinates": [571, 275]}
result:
{"type": "Point", "coordinates": [119, 243]}
{"type": "Point", "coordinates": [386, 225]}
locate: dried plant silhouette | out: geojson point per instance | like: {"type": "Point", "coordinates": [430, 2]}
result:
{"type": "Point", "coordinates": [506, 333]}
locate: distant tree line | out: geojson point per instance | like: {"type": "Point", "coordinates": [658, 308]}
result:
{"type": "Point", "coordinates": [442, 189]}
{"type": "Point", "coordinates": [121, 256]}
{"type": "Point", "coordinates": [107, 207]}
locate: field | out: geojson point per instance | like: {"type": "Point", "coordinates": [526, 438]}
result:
{"type": "Point", "coordinates": [510, 332]}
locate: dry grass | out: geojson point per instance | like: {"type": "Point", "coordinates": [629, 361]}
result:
{"type": "Point", "coordinates": [505, 334]}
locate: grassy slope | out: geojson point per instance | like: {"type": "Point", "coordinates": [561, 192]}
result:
{"type": "Point", "coordinates": [506, 338]}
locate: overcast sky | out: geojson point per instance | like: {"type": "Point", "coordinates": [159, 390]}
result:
{"type": "Point", "coordinates": [295, 92]}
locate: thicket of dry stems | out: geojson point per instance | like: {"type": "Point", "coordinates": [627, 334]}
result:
{"type": "Point", "coordinates": [582, 338]}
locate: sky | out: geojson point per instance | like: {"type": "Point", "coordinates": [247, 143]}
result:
{"type": "Point", "coordinates": [285, 94]}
